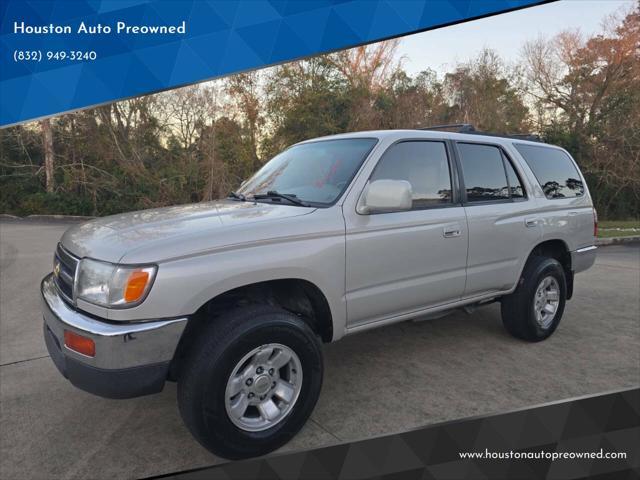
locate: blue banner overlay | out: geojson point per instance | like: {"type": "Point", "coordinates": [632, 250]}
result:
{"type": "Point", "coordinates": [62, 55]}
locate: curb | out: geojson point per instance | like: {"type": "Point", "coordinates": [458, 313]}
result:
{"type": "Point", "coordinates": [603, 242]}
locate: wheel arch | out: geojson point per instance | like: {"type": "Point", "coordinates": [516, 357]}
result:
{"type": "Point", "coordinates": [296, 295]}
{"type": "Point", "coordinates": [553, 248]}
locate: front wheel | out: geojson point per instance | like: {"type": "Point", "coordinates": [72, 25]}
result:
{"type": "Point", "coordinates": [251, 382]}
{"type": "Point", "coordinates": [535, 309]}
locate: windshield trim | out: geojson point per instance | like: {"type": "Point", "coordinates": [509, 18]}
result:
{"type": "Point", "coordinates": [356, 170]}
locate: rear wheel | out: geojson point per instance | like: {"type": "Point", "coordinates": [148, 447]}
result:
{"type": "Point", "coordinates": [535, 309]}
{"type": "Point", "coordinates": [251, 381]}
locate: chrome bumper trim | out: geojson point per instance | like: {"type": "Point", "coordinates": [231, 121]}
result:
{"type": "Point", "coordinates": [117, 346]}
{"type": "Point", "coordinates": [583, 258]}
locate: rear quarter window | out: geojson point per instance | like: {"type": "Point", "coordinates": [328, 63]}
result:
{"type": "Point", "coordinates": [554, 170]}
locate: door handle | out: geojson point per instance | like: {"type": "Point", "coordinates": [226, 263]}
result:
{"type": "Point", "coordinates": [450, 232]}
{"type": "Point", "coordinates": [531, 222]}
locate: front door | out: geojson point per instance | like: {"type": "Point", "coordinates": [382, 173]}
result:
{"type": "Point", "coordinates": [403, 262]}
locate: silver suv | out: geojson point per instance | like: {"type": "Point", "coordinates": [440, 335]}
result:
{"type": "Point", "coordinates": [232, 299]}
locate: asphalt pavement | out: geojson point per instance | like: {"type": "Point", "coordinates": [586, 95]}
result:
{"type": "Point", "coordinates": [383, 381]}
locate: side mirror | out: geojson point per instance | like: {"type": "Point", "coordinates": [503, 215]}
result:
{"type": "Point", "coordinates": [386, 196]}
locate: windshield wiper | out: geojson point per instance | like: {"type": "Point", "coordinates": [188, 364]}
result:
{"type": "Point", "coordinates": [237, 196]}
{"type": "Point", "coordinates": [289, 197]}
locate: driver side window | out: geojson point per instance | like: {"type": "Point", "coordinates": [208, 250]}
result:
{"type": "Point", "coordinates": [425, 165]}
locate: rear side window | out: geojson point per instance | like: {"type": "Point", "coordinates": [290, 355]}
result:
{"type": "Point", "coordinates": [424, 165]}
{"type": "Point", "coordinates": [554, 170]}
{"type": "Point", "coordinates": [484, 174]}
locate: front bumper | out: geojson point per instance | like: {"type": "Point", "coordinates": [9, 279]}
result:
{"type": "Point", "coordinates": [131, 359]}
{"type": "Point", "coordinates": [583, 258]}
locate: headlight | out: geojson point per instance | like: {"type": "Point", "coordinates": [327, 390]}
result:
{"type": "Point", "coordinates": [112, 285]}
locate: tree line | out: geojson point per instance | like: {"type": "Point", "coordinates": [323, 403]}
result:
{"type": "Point", "coordinates": [199, 142]}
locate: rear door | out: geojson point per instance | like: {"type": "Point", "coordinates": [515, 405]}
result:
{"type": "Point", "coordinates": [501, 213]}
{"type": "Point", "coordinates": [402, 262]}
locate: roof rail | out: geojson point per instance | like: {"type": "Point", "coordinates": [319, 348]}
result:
{"type": "Point", "coordinates": [532, 137]}
{"type": "Point", "coordinates": [469, 128]}
{"type": "Point", "coordinates": [461, 127]}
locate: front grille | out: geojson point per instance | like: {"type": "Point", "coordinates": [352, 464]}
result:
{"type": "Point", "coordinates": [64, 272]}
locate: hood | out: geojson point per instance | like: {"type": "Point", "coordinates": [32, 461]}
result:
{"type": "Point", "coordinates": [199, 225]}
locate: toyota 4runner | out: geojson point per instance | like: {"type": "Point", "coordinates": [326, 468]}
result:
{"type": "Point", "coordinates": [232, 299]}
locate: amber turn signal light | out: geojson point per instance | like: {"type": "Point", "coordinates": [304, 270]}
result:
{"type": "Point", "coordinates": [136, 284]}
{"type": "Point", "coordinates": [79, 344]}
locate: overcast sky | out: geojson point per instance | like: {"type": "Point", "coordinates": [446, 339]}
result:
{"type": "Point", "coordinates": [441, 49]}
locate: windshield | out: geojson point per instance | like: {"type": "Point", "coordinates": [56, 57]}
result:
{"type": "Point", "coordinates": [315, 173]}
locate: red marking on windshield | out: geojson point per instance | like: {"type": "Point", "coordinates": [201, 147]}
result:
{"type": "Point", "coordinates": [332, 171]}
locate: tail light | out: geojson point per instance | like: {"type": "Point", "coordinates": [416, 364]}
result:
{"type": "Point", "coordinates": [595, 223]}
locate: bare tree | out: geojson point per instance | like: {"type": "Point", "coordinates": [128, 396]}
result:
{"type": "Point", "coordinates": [186, 108]}
{"type": "Point", "coordinates": [244, 91]}
{"type": "Point", "coordinates": [574, 76]}
{"type": "Point", "coordinates": [215, 171]}
{"type": "Point", "coordinates": [367, 71]}
{"type": "Point", "coordinates": [368, 67]}
{"type": "Point", "coordinates": [589, 89]}
{"type": "Point", "coordinates": [47, 148]}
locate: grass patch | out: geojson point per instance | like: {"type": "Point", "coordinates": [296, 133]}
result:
{"type": "Point", "coordinates": [618, 228]}
{"type": "Point", "coordinates": [619, 223]}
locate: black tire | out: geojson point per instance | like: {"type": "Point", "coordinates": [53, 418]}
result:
{"type": "Point", "coordinates": [215, 353]}
{"type": "Point", "coordinates": [518, 313]}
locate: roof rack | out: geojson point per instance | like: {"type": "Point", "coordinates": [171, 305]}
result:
{"type": "Point", "coordinates": [469, 128]}
{"type": "Point", "coordinates": [461, 127]}
{"type": "Point", "coordinates": [533, 137]}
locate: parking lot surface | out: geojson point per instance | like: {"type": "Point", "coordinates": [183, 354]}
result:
{"type": "Point", "coordinates": [383, 381]}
